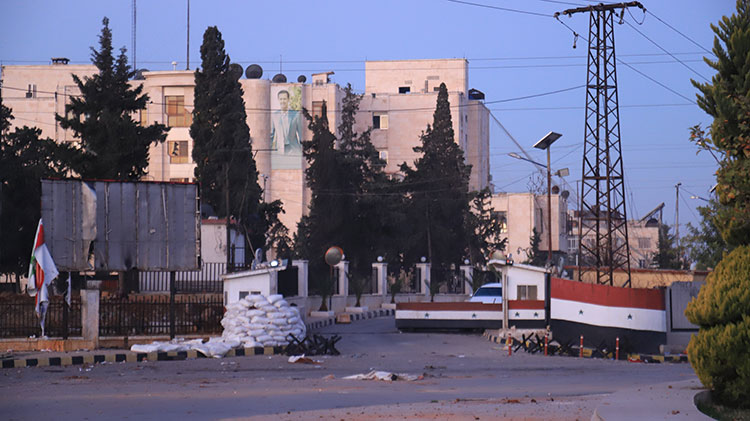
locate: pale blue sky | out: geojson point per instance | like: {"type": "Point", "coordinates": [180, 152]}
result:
{"type": "Point", "coordinates": [510, 55]}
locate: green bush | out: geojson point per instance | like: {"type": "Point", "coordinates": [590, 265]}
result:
{"type": "Point", "coordinates": [720, 353]}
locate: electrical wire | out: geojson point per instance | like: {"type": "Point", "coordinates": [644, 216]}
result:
{"type": "Point", "coordinates": [683, 35]}
{"type": "Point", "coordinates": [504, 9]}
{"type": "Point", "coordinates": [665, 50]}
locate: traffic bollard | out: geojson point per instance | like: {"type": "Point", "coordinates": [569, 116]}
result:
{"type": "Point", "coordinates": [509, 342]}
{"type": "Point", "coordinates": [580, 350]}
{"type": "Point", "coordinates": [617, 348]}
{"type": "Point", "coordinates": [546, 343]}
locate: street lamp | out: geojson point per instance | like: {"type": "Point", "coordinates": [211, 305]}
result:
{"type": "Point", "coordinates": [545, 143]}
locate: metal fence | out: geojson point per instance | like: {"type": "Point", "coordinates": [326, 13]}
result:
{"type": "Point", "coordinates": [18, 317]}
{"type": "Point", "coordinates": [207, 279]}
{"type": "Point", "coordinates": [158, 315]}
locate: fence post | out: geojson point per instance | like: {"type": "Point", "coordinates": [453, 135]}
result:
{"type": "Point", "coordinates": [172, 292]}
{"type": "Point", "coordinates": [90, 312]}
{"type": "Point", "coordinates": [546, 343]}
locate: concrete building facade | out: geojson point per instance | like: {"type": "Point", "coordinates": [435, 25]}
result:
{"type": "Point", "coordinates": [398, 102]}
{"type": "Point", "coordinates": [522, 213]}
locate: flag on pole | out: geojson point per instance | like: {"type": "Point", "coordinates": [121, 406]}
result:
{"type": "Point", "coordinates": [42, 269]}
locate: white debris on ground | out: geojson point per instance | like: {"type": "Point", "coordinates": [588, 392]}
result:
{"type": "Point", "coordinates": [254, 321]}
{"type": "Point", "coordinates": [384, 376]}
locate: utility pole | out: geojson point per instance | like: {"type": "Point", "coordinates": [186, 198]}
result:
{"type": "Point", "coordinates": [187, 62]}
{"type": "Point", "coordinates": [603, 216]}
{"type": "Point", "coordinates": [677, 218]}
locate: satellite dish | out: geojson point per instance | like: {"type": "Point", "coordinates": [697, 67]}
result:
{"type": "Point", "coordinates": [301, 79]}
{"type": "Point", "coordinates": [139, 74]}
{"type": "Point", "coordinates": [279, 78]}
{"type": "Point", "coordinates": [253, 71]}
{"type": "Point", "coordinates": [235, 70]}
{"type": "Point", "coordinates": [565, 194]}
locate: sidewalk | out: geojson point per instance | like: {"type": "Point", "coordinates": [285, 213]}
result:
{"type": "Point", "coordinates": [665, 401]}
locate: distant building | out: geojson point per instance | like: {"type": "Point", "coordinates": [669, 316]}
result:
{"type": "Point", "coordinates": [522, 213]}
{"type": "Point", "coordinates": [399, 101]}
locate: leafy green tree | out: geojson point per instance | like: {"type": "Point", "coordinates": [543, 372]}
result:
{"type": "Point", "coordinates": [704, 242]}
{"type": "Point", "coordinates": [483, 229]}
{"type": "Point", "coordinates": [668, 255]}
{"type": "Point", "coordinates": [113, 145]}
{"type": "Point", "coordinates": [438, 191]}
{"type": "Point", "coordinates": [26, 158]}
{"type": "Point", "coordinates": [222, 150]}
{"type": "Point", "coordinates": [534, 256]}
{"type": "Point", "coordinates": [726, 99]}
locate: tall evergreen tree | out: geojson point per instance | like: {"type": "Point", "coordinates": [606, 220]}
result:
{"type": "Point", "coordinates": [534, 256]}
{"type": "Point", "coordinates": [113, 145]}
{"type": "Point", "coordinates": [222, 148]}
{"type": "Point", "coordinates": [667, 256]}
{"type": "Point", "coordinates": [727, 99]}
{"type": "Point", "coordinates": [26, 158]}
{"type": "Point", "coordinates": [321, 227]}
{"type": "Point", "coordinates": [439, 195]}
{"type": "Point", "coordinates": [483, 229]}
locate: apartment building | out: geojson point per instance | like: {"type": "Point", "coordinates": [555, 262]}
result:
{"type": "Point", "coordinates": [522, 213]}
{"type": "Point", "coordinates": [399, 102]}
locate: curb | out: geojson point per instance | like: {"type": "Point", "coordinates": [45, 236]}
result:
{"type": "Point", "coordinates": [354, 316]}
{"type": "Point", "coordinates": [132, 357]}
{"type": "Point", "coordinates": [634, 358]}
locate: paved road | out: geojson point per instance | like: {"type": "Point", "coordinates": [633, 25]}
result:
{"type": "Point", "coordinates": [466, 377]}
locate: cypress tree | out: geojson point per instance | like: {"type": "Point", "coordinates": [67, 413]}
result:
{"type": "Point", "coordinates": [113, 146]}
{"type": "Point", "coordinates": [439, 195]}
{"type": "Point", "coordinates": [222, 148]}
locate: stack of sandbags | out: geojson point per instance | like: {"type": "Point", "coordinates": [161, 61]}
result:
{"type": "Point", "coordinates": [259, 321]}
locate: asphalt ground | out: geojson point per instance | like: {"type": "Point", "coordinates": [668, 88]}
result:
{"type": "Point", "coordinates": [462, 376]}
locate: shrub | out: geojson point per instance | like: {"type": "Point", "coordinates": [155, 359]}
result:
{"type": "Point", "coordinates": [720, 353]}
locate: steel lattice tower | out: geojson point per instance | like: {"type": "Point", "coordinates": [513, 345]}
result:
{"type": "Point", "coordinates": [603, 231]}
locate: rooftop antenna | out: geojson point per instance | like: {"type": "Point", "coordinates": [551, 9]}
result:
{"type": "Point", "coordinates": [132, 31]}
{"type": "Point", "coordinates": [187, 62]}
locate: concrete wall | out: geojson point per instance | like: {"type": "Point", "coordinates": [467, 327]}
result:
{"type": "Point", "coordinates": [646, 278]}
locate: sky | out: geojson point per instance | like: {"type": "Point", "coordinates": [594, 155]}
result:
{"type": "Point", "coordinates": [519, 56]}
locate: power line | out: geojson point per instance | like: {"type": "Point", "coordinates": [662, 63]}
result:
{"type": "Point", "coordinates": [504, 9]}
{"type": "Point", "coordinates": [665, 50]}
{"type": "Point", "coordinates": [683, 35]}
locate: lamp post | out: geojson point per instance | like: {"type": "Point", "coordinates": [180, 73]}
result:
{"type": "Point", "coordinates": [545, 143]}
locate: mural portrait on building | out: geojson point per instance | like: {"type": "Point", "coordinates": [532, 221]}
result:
{"type": "Point", "coordinates": [286, 121]}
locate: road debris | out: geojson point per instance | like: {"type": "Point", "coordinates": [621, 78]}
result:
{"type": "Point", "coordinates": [385, 376]}
{"type": "Point", "coordinates": [301, 359]}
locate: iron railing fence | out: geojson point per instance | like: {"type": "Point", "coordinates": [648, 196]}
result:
{"type": "Point", "coordinates": [207, 279]}
{"type": "Point", "coordinates": [158, 315]}
{"type": "Point", "coordinates": [18, 317]}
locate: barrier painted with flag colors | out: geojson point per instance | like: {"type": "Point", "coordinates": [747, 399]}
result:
{"type": "Point", "coordinates": [602, 313]}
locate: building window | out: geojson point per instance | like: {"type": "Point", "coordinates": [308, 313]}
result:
{"type": "Point", "coordinates": [404, 89]}
{"type": "Point", "coordinates": [143, 117]}
{"type": "Point", "coordinates": [644, 242]}
{"type": "Point", "coordinates": [177, 115]}
{"type": "Point", "coordinates": [179, 180]}
{"type": "Point", "coordinates": [178, 152]}
{"type": "Point", "coordinates": [31, 93]}
{"type": "Point", "coordinates": [541, 221]}
{"type": "Point", "coordinates": [383, 156]}
{"type": "Point", "coordinates": [317, 109]}
{"type": "Point", "coordinates": [641, 263]}
{"type": "Point", "coordinates": [502, 219]}
{"type": "Point", "coordinates": [380, 121]}
{"type": "Point", "coordinates": [526, 292]}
